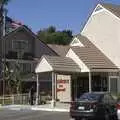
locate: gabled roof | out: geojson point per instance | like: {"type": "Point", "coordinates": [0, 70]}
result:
{"type": "Point", "coordinates": [25, 28]}
{"type": "Point", "coordinates": [115, 9]}
{"type": "Point", "coordinates": [92, 56]}
{"type": "Point", "coordinates": [61, 50]}
{"type": "Point", "coordinates": [61, 64]}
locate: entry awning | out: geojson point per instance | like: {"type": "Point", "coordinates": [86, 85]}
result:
{"type": "Point", "coordinates": [57, 64]}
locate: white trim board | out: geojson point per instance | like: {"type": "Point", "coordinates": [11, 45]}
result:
{"type": "Point", "coordinates": [43, 66]}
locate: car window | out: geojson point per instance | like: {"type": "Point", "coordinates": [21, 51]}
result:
{"type": "Point", "coordinates": [108, 98]}
{"type": "Point", "coordinates": [90, 97]}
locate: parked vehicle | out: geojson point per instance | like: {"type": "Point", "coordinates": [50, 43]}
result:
{"type": "Point", "coordinates": [94, 105]}
{"type": "Point", "coordinates": [118, 110]}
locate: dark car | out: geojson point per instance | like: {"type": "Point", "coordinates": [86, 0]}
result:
{"type": "Point", "coordinates": [94, 105]}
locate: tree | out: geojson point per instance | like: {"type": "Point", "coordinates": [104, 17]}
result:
{"type": "Point", "coordinates": [51, 36]}
{"type": "Point", "coordinates": [4, 2]}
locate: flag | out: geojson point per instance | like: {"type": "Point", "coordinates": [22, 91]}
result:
{"type": "Point", "coordinates": [12, 23]}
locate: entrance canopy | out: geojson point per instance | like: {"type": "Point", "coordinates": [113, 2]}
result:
{"type": "Point", "coordinates": [57, 64]}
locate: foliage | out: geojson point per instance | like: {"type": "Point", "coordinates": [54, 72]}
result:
{"type": "Point", "coordinates": [51, 36]}
{"type": "Point", "coordinates": [13, 77]}
{"type": "Point", "coordinates": [4, 1]}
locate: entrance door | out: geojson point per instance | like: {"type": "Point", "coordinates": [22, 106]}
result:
{"type": "Point", "coordinates": [113, 81]}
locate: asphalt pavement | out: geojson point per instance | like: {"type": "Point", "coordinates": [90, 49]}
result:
{"type": "Point", "coordinates": [32, 115]}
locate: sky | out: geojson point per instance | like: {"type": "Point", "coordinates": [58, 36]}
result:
{"type": "Point", "coordinates": [63, 14]}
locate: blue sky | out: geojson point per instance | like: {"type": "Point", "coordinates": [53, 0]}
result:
{"type": "Point", "coordinates": [63, 14]}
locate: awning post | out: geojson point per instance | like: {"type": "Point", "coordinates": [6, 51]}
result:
{"type": "Point", "coordinates": [90, 82]}
{"type": "Point", "coordinates": [53, 90]}
{"type": "Point", "coordinates": [109, 85]}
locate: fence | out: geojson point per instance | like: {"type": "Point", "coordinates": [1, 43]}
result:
{"type": "Point", "coordinates": [15, 99]}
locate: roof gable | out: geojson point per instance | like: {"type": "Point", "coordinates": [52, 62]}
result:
{"type": "Point", "coordinates": [92, 56]}
{"type": "Point", "coordinates": [76, 42]}
{"type": "Point", "coordinates": [43, 66]}
{"type": "Point", "coordinates": [58, 64]}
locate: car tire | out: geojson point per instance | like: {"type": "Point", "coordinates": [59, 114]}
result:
{"type": "Point", "coordinates": [115, 117]}
{"type": "Point", "coordinates": [83, 119]}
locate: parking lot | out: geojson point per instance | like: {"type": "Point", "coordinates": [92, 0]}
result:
{"type": "Point", "coordinates": [32, 115]}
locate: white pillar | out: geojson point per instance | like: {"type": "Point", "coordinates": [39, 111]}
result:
{"type": "Point", "coordinates": [109, 85]}
{"type": "Point", "coordinates": [55, 86]}
{"type": "Point", "coordinates": [90, 82]}
{"type": "Point", "coordinates": [37, 88]}
{"type": "Point", "coordinates": [53, 90]}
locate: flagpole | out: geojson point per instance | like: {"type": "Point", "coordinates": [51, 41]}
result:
{"type": "Point", "coordinates": [4, 61]}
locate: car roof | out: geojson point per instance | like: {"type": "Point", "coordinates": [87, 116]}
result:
{"type": "Point", "coordinates": [101, 92]}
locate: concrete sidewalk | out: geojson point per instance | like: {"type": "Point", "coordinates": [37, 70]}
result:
{"type": "Point", "coordinates": [45, 107]}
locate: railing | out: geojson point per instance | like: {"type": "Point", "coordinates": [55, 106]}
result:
{"type": "Point", "coordinates": [15, 99]}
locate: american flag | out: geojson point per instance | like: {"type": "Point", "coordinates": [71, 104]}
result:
{"type": "Point", "coordinates": [12, 23]}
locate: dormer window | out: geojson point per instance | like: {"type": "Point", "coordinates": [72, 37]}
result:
{"type": "Point", "coordinates": [19, 45]}
{"type": "Point", "coordinates": [76, 42]}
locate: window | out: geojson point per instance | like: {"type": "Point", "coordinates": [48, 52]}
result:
{"type": "Point", "coordinates": [19, 44]}
{"type": "Point", "coordinates": [108, 99]}
{"type": "Point", "coordinates": [26, 67]}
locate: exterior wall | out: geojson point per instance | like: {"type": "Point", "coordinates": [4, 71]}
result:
{"type": "Point", "coordinates": [64, 88]}
{"type": "Point", "coordinates": [103, 29]}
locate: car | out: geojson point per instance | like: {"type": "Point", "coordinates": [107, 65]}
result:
{"type": "Point", "coordinates": [94, 105]}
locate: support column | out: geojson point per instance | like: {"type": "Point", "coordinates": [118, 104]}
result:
{"type": "Point", "coordinates": [90, 82]}
{"type": "Point", "coordinates": [53, 90]}
{"type": "Point", "coordinates": [55, 86]}
{"type": "Point", "coordinates": [109, 85]}
{"type": "Point", "coordinates": [37, 88]}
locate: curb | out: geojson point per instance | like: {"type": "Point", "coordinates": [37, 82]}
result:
{"type": "Point", "coordinates": [35, 108]}
{"type": "Point", "coordinates": [50, 109]}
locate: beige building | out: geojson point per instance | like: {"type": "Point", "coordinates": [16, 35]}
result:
{"type": "Point", "coordinates": [94, 53]}
{"type": "Point", "coordinates": [103, 30]}
{"type": "Point", "coordinates": [84, 68]}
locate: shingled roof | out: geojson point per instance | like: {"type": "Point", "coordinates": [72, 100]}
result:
{"type": "Point", "coordinates": [61, 50]}
{"type": "Point", "coordinates": [115, 9]}
{"type": "Point", "coordinates": [62, 64]}
{"type": "Point", "coordinates": [92, 56]}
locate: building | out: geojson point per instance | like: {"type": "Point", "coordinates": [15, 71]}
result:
{"type": "Point", "coordinates": [84, 68]}
{"type": "Point", "coordinates": [24, 48]}
{"type": "Point", "coordinates": [102, 29]}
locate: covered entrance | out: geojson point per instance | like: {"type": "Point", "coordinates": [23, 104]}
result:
{"type": "Point", "coordinates": [61, 79]}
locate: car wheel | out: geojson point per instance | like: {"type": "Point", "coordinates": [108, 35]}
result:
{"type": "Point", "coordinates": [83, 119]}
{"type": "Point", "coordinates": [115, 117]}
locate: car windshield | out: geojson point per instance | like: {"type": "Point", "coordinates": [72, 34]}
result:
{"type": "Point", "coordinates": [90, 97]}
